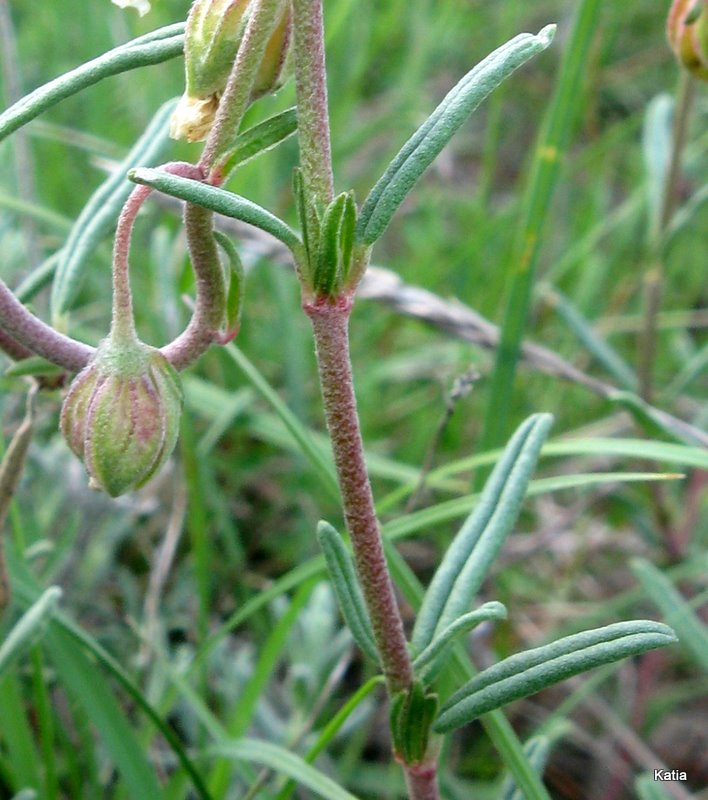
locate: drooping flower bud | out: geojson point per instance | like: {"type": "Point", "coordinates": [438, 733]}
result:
{"type": "Point", "coordinates": [687, 29]}
{"type": "Point", "coordinates": [121, 415]}
{"type": "Point", "coordinates": [213, 36]}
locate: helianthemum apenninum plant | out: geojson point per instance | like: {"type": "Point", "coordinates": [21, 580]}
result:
{"type": "Point", "coordinates": [121, 413]}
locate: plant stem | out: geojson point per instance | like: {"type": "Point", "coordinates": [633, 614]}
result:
{"type": "Point", "coordinates": [654, 275]}
{"type": "Point", "coordinates": [422, 780]}
{"type": "Point", "coordinates": [330, 321]}
{"type": "Point", "coordinates": [312, 114]}
{"type": "Point", "coordinates": [239, 89]}
{"type": "Point", "coordinates": [122, 321]}
{"type": "Point", "coordinates": [37, 336]}
{"type": "Point", "coordinates": [203, 328]}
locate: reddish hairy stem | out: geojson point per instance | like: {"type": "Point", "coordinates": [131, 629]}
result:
{"type": "Point", "coordinates": [204, 327]}
{"type": "Point", "coordinates": [422, 780]}
{"type": "Point", "coordinates": [12, 348]}
{"type": "Point", "coordinates": [311, 86]}
{"type": "Point", "coordinates": [330, 321]}
{"type": "Point", "coordinates": [40, 338]}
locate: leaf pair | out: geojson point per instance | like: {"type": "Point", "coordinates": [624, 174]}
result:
{"type": "Point", "coordinates": [444, 614]}
{"type": "Point", "coordinates": [328, 238]}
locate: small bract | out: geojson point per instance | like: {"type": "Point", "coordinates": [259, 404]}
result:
{"type": "Point", "coordinates": [121, 415]}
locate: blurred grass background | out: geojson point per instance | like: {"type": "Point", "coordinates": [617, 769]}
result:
{"type": "Point", "coordinates": [248, 501]}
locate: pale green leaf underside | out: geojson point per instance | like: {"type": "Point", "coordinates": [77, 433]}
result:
{"type": "Point", "coordinates": [285, 763]}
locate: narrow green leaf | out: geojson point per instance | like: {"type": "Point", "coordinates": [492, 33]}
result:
{"type": "Point", "coordinates": [89, 690]}
{"type": "Point", "coordinates": [496, 725]}
{"type": "Point", "coordinates": [346, 236]}
{"type": "Point", "coordinates": [236, 280]}
{"type": "Point", "coordinates": [526, 673]}
{"type": "Point", "coordinates": [598, 348]}
{"type": "Point", "coordinates": [29, 627]}
{"type": "Point", "coordinates": [653, 420]}
{"type": "Point", "coordinates": [261, 138]}
{"type": "Point", "coordinates": [99, 215]}
{"type": "Point", "coordinates": [219, 200]}
{"type": "Point", "coordinates": [536, 751]}
{"type": "Point", "coordinates": [284, 762]}
{"type": "Point", "coordinates": [153, 48]}
{"type": "Point", "coordinates": [18, 733]}
{"type": "Point", "coordinates": [412, 713]}
{"type": "Point", "coordinates": [326, 274]}
{"type": "Point", "coordinates": [302, 211]}
{"type": "Point", "coordinates": [692, 633]}
{"type": "Point", "coordinates": [427, 661]}
{"type": "Point", "coordinates": [346, 587]}
{"type": "Point", "coordinates": [471, 553]}
{"type": "Point", "coordinates": [426, 143]}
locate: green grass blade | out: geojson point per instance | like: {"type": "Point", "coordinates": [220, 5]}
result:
{"type": "Point", "coordinates": [529, 672]}
{"type": "Point", "coordinates": [331, 729]}
{"type": "Point", "coordinates": [598, 348]}
{"type": "Point", "coordinates": [284, 762]}
{"type": "Point", "coordinates": [323, 467]}
{"type": "Point", "coordinates": [692, 633]}
{"type": "Point", "coordinates": [418, 153]}
{"type": "Point", "coordinates": [268, 659]}
{"type": "Point", "coordinates": [29, 628]}
{"type": "Point", "coordinates": [154, 48]}
{"type": "Point", "coordinates": [541, 184]}
{"type": "Point", "coordinates": [25, 590]}
{"type": "Point", "coordinates": [536, 750]}
{"type": "Point", "coordinates": [655, 422]}
{"type": "Point", "coordinates": [17, 734]}
{"type": "Point", "coordinates": [471, 553]}
{"type": "Point", "coordinates": [89, 690]}
{"type": "Point", "coordinates": [668, 453]}
{"type": "Point", "coordinates": [219, 200]}
{"type": "Point", "coordinates": [346, 587]}
{"type": "Point", "coordinates": [101, 211]}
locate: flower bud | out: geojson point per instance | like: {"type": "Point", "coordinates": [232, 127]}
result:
{"type": "Point", "coordinates": [213, 36]}
{"type": "Point", "coordinates": [687, 29]}
{"type": "Point", "coordinates": [121, 415]}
